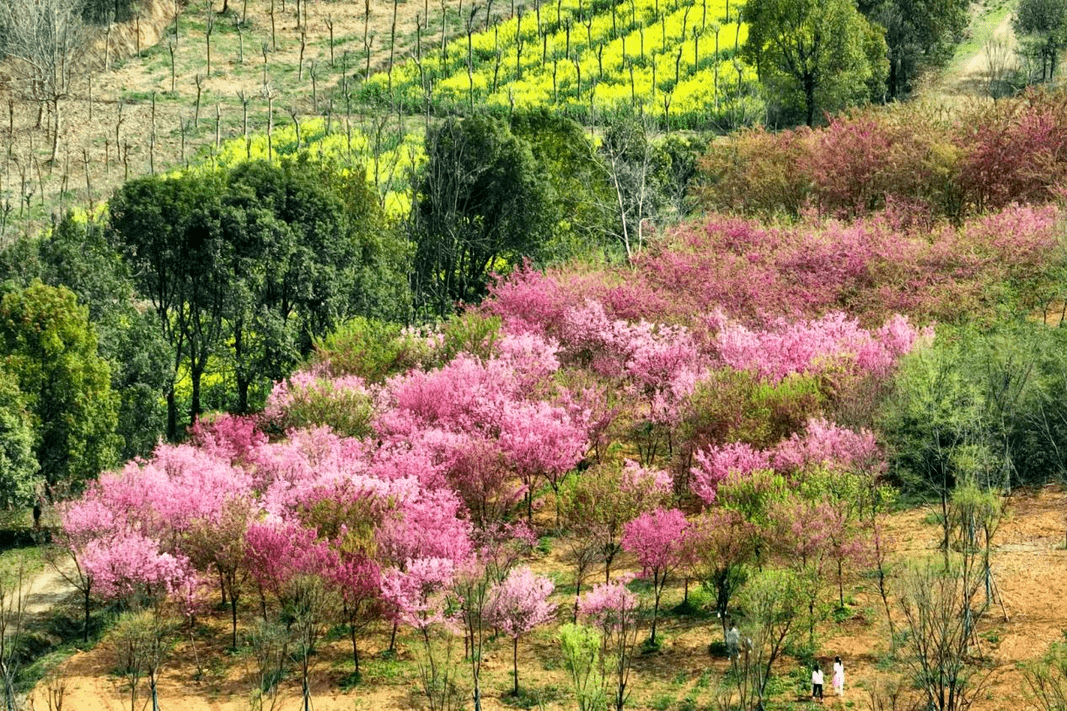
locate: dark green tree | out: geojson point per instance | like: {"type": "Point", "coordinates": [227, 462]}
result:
{"type": "Point", "coordinates": [309, 247]}
{"type": "Point", "coordinates": [245, 269]}
{"type": "Point", "coordinates": [919, 34]}
{"type": "Point", "coordinates": [167, 230]}
{"type": "Point", "coordinates": [581, 193]}
{"type": "Point", "coordinates": [76, 254]}
{"type": "Point", "coordinates": [814, 55]}
{"type": "Point", "coordinates": [50, 348]}
{"type": "Point", "coordinates": [19, 475]}
{"type": "Point", "coordinates": [1042, 24]}
{"type": "Point", "coordinates": [481, 205]}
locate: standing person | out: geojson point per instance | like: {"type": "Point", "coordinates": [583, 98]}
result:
{"type": "Point", "coordinates": [839, 677]}
{"type": "Point", "coordinates": [816, 683]}
{"type": "Point", "coordinates": [733, 642]}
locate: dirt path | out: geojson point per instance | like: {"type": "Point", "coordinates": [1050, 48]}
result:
{"type": "Point", "coordinates": [974, 74]}
{"type": "Point", "coordinates": [46, 590]}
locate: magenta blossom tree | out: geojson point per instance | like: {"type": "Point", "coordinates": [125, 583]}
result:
{"type": "Point", "coordinates": [517, 605]}
{"type": "Point", "coordinates": [130, 565]}
{"type": "Point", "coordinates": [657, 539]}
{"type": "Point", "coordinates": [615, 611]}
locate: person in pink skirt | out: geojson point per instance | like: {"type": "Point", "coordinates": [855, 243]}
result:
{"type": "Point", "coordinates": [838, 679]}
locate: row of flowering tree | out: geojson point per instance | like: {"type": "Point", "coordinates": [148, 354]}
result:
{"type": "Point", "coordinates": [412, 497]}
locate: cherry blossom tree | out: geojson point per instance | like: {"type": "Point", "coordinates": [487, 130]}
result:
{"type": "Point", "coordinates": [540, 440]}
{"type": "Point", "coordinates": [517, 605]}
{"type": "Point", "coordinates": [715, 464]}
{"type": "Point", "coordinates": [657, 539]}
{"type": "Point", "coordinates": [419, 594]}
{"type": "Point", "coordinates": [615, 611]}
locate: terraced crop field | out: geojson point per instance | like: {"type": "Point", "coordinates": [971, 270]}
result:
{"type": "Point", "coordinates": [676, 62]}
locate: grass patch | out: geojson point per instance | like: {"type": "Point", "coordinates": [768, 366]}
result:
{"type": "Point", "coordinates": [697, 606]}
{"type": "Point", "coordinates": [532, 698]}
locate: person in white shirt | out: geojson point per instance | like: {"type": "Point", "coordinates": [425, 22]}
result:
{"type": "Point", "coordinates": [816, 683]}
{"type": "Point", "coordinates": [839, 677]}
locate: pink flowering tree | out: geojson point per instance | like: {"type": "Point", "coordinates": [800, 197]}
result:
{"type": "Point", "coordinates": [540, 440]}
{"type": "Point", "coordinates": [130, 567]}
{"type": "Point", "coordinates": [421, 597]}
{"type": "Point", "coordinates": [803, 540]}
{"type": "Point", "coordinates": [497, 549]}
{"type": "Point", "coordinates": [517, 605]}
{"type": "Point", "coordinates": [291, 562]}
{"type": "Point", "coordinates": [217, 544]}
{"type": "Point", "coordinates": [314, 398]}
{"type": "Point", "coordinates": [657, 539]}
{"type": "Point", "coordinates": [832, 342]}
{"type": "Point", "coordinates": [827, 444]}
{"type": "Point", "coordinates": [228, 437]}
{"type": "Point", "coordinates": [615, 611]}
{"type": "Point", "coordinates": [479, 473]}
{"type": "Point", "coordinates": [347, 515]}
{"type": "Point", "coordinates": [715, 464]}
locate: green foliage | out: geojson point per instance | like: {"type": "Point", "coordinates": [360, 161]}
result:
{"type": "Point", "coordinates": [50, 348]}
{"type": "Point", "coordinates": [18, 466]}
{"type": "Point", "coordinates": [580, 647]}
{"type": "Point", "coordinates": [934, 407]}
{"type": "Point", "coordinates": [580, 190]}
{"type": "Point", "coordinates": [482, 205]}
{"type": "Point", "coordinates": [814, 55]}
{"type": "Point", "coordinates": [985, 406]}
{"type": "Point", "coordinates": [919, 34]}
{"type": "Point", "coordinates": [77, 254]}
{"type": "Point", "coordinates": [1046, 678]}
{"type": "Point", "coordinates": [370, 348]}
{"type": "Point", "coordinates": [246, 268]}
{"type": "Point", "coordinates": [323, 402]}
{"type": "Point", "coordinates": [736, 406]}
{"type": "Point", "coordinates": [472, 333]}
{"type": "Point", "coordinates": [772, 606]}
{"type": "Point", "coordinates": [754, 497]}
{"type": "Point", "coordinates": [1043, 25]}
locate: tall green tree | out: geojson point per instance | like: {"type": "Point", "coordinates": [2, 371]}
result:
{"type": "Point", "coordinates": [481, 204]}
{"type": "Point", "coordinates": [76, 253]}
{"type": "Point", "coordinates": [815, 55]}
{"type": "Point", "coordinates": [919, 34]}
{"type": "Point", "coordinates": [1042, 24]}
{"type": "Point", "coordinates": [581, 194]}
{"type": "Point", "coordinates": [19, 475]}
{"type": "Point", "coordinates": [308, 247]}
{"type": "Point", "coordinates": [50, 348]}
{"type": "Point", "coordinates": [167, 229]}
{"type": "Point", "coordinates": [246, 269]}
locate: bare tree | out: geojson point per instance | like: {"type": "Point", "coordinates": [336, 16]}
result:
{"type": "Point", "coordinates": [1000, 67]}
{"type": "Point", "coordinates": [13, 590]}
{"type": "Point", "coordinates": [938, 605]}
{"type": "Point", "coordinates": [46, 38]}
{"type": "Point", "coordinates": [634, 170]}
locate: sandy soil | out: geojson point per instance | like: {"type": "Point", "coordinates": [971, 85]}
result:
{"type": "Point", "coordinates": [1030, 565]}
